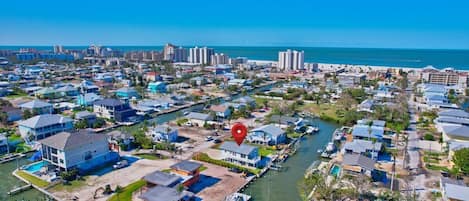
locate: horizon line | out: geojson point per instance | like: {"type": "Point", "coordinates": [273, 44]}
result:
{"type": "Point", "coordinates": [278, 46]}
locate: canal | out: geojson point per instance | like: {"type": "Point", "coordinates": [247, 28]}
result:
{"type": "Point", "coordinates": [281, 186]}
{"type": "Point", "coordinates": [9, 181]}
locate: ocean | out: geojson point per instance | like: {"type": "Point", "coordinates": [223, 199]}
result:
{"type": "Point", "coordinates": [415, 58]}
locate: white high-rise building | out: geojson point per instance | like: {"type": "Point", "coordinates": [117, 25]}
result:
{"type": "Point", "coordinates": [58, 49]}
{"type": "Point", "coordinates": [168, 52]}
{"type": "Point", "coordinates": [200, 55]}
{"type": "Point", "coordinates": [291, 60]}
{"type": "Point", "coordinates": [220, 59]}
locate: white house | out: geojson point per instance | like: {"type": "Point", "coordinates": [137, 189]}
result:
{"type": "Point", "coordinates": [244, 154]}
{"type": "Point", "coordinates": [164, 133]}
{"type": "Point", "coordinates": [199, 119]}
{"type": "Point", "coordinates": [82, 150]}
{"type": "Point", "coordinates": [267, 134]}
{"type": "Point", "coordinates": [43, 126]}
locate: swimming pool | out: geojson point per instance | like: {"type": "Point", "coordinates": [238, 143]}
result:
{"type": "Point", "coordinates": [34, 167]}
{"type": "Point", "coordinates": [335, 170]}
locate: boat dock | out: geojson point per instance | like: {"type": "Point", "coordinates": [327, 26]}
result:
{"type": "Point", "coordinates": [11, 157]}
{"type": "Point", "coordinates": [20, 189]}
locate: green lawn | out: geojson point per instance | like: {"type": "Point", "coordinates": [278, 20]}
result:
{"type": "Point", "coordinates": [71, 186]}
{"type": "Point", "coordinates": [294, 135]}
{"type": "Point", "coordinates": [14, 138]}
{"type": "Point", "coordinates": [34, 180]}
{"type": "Point", "coordinates": [324, 110]}
{"type": "Point", "coordinates": [265, 151]}
{"type": "Point", "coordinates": [126, 194]}
{"type": "Point", "coordinates": [150, 156]}
{"type": "Point", "coordinates": [436, 168]}
{"type": "Point", "coordinates": [202, 168]}
{"type": "Point", "coordinates": [166, 170]}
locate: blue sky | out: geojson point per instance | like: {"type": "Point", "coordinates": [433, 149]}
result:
{"type": "Point", "coordinates": [330, 23]}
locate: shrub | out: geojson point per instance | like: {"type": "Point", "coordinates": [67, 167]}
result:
{"type": "Point", "coordinates": [429, 137]}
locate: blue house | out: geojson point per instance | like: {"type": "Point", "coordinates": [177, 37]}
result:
{"type": "Point", "coordinates": [222, 111]}
{"type": "Point", "coordinates": [67, 90]}
{"type": "Point", "coordinates": [267, 134]}
{"type": "Point", "coordinates": [127, 93]}
{"type": "Point", "coordinates": [157, 87]}
{"type": "Point", "coordinates": [37, 107]}
{"type": "Point", "coordinates": [87, 99]}
{"type": "Point", "coordinates": [366, 130]}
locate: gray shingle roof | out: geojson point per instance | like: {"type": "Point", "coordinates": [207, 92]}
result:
{"type": "Point", "coordinates": [453, 120]}
{"type": "Point", "coordinates": [454, 113]}
{"type": "Point", "coordinates": [161, 193]}
{"type": "Point", "coordinates": [111, 102]}
{"type": "Point", "coordinates": [199, 116]}
{"type": "Point", "coordinates": [360, 146]}
{"type": "Point", "coordinates": [35, 104]}
{"type": "Point", "coordinates": [272, 129]}
{"type": "Point", "coordinates": [163, 128]}
{"type": "Point", "coordinates": [83, 114]}
{"type": "Point", "coordinates": [456, 131]}
{"type": "Point", "coordinates": [233, 147]}
{"type": "Point", "coordinates": [457, 192]}
{"type": "Point", "coordinates": [359, 160]}
{"type": "Point", "coordinates": [186, 165]}
{"type": "Point", "coordinates": [283, 119]}
{"type": "Point", "coordinates": [162, 178]}
{"type": "Point", "coordinates": [44, 120]}
{"type": "Point", "coordinates": [67, 140]}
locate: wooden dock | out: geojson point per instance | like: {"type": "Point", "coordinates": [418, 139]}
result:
{"type": "Point", "coordinates": [20, 189]}
{"type": "Point", "coordinates": [11, 157]}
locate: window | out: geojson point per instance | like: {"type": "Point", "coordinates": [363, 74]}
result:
{"type": "Point", "coordinates": [61, 161]}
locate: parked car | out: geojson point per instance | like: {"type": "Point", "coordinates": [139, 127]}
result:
{"type": "Point", "coordinates": [235, 170]}
{"type": "Point", "coordinates": [120, 164]}
{"type": "Point", "coordinates": [208, 138]}
{"type": "Point", "coordinates": [188, 124]}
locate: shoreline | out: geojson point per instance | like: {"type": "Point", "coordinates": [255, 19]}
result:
{"type": "Point", "coordinates": [333, 66]}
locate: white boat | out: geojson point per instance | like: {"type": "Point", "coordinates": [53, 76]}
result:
{"type": "Point", "coordinates": [320, 151]}
{"type": "Point", "coordinates": [330, 147]}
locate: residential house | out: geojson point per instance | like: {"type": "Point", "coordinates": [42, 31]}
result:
{"type": "Point", "coordinates": [453, 190]}
{"type": "Point", "coordinates": [164, 133]}
{"type": "Point", "coordinates": [82, 150]}
{"type": "Point", "coordinates": [157, 87]}
{"type": "Point", "coordinates": [246, 101]}
{"type": "Point", "coordinates": [47, 93]}
{"type": "Point", "coordinates": [358, 163]}
{"type": "Point", "coordinates": [268, 135]}
{"type": "Point", "coordinates": [159, 178]}
{"type": "Point", "coordinates": [89, 87]}
{"type": "Point", "coordinates": [452, 117]}
{"type": "Point", "coordinates": [37, 107]}
{"type": "Point", "coordinates": [366, 130]}
{"type": "Point", "coordinates": [88, 99]}
{"type": "Point", "coordinates": [119, 139]}
{"type": "Point", "coordinates": [286, 121]}
{"type": "Point", "coordinates": [348, 80]}
{"type": "Point", "coordinates": [43, 126]}
{"type": "Point", "coordinates": [152, 76]}
{"type": "Point", "coordinates": [221, 111]}
{"type": "Point", "coordinates": [199, 119]}
{"type": "Point", "coordinates": [366, 106]}
{"type": "Point", "coordinates": [127, 93]}
{"type": "Point", "coordinates": [12, 113]}
{"type": "Point", "coordinates": [89, 117]}
{"type": "Point", "coordinates": [113, 109]}
{"type": "Point", "coordinates": [188, 170]}
{"type": "Point", "coordinates": [243, 154]}
{"type": "Point", "coordinates": [237, 82]}
{"type": "Point", "coordinates": [363, 147]}
{"type": "Point", "coordinates": [67, 90]}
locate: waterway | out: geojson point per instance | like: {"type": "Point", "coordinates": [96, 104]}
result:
{"type": "Point", "coordinates": [9, 182]}
{"type": "Point", "coordinates": [281, 186]}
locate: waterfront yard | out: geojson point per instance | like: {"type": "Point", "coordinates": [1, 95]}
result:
{"type": "Point", "coordinates": [122, 177]}
{"type": "Point", "coordinates": [34, 180]}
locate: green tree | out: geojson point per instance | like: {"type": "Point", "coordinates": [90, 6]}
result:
{"type": "Point", "coordinates": [461, 160]}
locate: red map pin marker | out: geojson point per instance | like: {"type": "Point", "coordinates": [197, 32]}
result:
{"type": "Point", "coordinates": [239, 132]}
